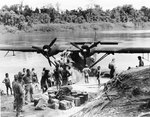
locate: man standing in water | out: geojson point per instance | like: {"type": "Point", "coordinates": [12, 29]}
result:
{"type": "Point", "coordinates": [86, 71]}
{"type": "Point", "coordinates": [112, 68]}
{"type": "Point", "coordinates": [141, 63]}
{"type": "Point", "coordinates": [98, 75]}
{"type": "Point", "coordinates": [7, 83]}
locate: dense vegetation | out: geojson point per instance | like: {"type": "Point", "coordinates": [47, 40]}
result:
{"type": "Point", "coordinates": [24, 17]}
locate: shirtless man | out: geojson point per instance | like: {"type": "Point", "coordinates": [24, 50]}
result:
{"type": "Point", "coordinates": [65, 75]}
{"type": "Point", "coordinates": [7, 83]}
{"type": "Point", "coordinates": [86, 71]}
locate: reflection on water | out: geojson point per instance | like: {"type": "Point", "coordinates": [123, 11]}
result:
{"type": "Point", "coordinates": [42, 38]}
{"type": "Point", "coordinates": [13, 64]}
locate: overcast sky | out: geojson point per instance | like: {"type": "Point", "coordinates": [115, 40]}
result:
{"type": "Point", "coordinates": [74, 4]}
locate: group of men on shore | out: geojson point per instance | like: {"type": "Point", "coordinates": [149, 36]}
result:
{"type": "Point", "coordinates": [87, 70]}
{"type": "Point", "coordinates": [58, 77]}
{"type": "Point", "coordinates": [112, 66]}
{"type": "Point", "coordinates": [21, 87]}
{"type": "Point", "coordinates": [23, 81]}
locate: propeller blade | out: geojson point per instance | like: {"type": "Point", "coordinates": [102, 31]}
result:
{"type": "Point", "coordinates": [52, 42]}
{"type": "Point", "coordinates": [84, 61]}
{"type": "Point", "coordinates": [75, 46]}
{"type": "Point", "coordinates": [49, 61]}
{"type": "Point", "coordinates": [6, 53]}
{"type": "Point", "coordinates": [37, 48]}
{"type": "Point", "coordinates": [94, 44]}
{"type": "Point", "coordinates": [53, 57]}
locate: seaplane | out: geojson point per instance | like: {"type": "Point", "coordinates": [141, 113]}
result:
{"type": "Point", "coordinates": [79, 51]}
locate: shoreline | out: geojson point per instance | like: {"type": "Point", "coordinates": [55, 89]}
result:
{"type": "Point", "coordinates": [84, 27]}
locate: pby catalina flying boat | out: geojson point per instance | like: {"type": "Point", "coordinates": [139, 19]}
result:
{"type": "Point", "coordinates": [79, 49]}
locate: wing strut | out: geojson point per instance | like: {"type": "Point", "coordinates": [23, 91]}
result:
{"type": "Point", "coordinates": [105, 55]}
{"type": "Point", "coordinates": [13, 53]}
{"type": "Point", "coordinates": [8, 52]}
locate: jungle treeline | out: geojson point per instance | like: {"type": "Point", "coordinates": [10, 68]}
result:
{"type": "Point", "coordinates": [23, 16]}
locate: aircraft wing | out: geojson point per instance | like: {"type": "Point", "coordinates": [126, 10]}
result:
{"type": "Point", "coordinates": [110, 49]}
{"type": "Point", "coordinates": [102, 43]}
{"type": "Point", "coordinates": [21, 49]}
{"type": "Point", "coordinates": [122, 50]}
{"type": "Point", "coordinates": [105, 49]}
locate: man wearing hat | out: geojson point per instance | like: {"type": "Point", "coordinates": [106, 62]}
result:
{"type": "Point", "coordinates": [18, 95]}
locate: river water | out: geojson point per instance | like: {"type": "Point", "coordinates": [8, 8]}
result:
{"type": "Point", "coordinates": [13, 64]}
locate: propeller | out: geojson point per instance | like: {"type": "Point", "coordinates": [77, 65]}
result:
{"type": "Point", "coordinates": [46, 50]}
{"type": "Point", "coordinates": [52, 42]}
{"type": "Point", "coordinates": [85, 49]}
{"type": "Point", "coordinates": [39, 50]}
{"type": "Point", "coordinates": [48, 47]}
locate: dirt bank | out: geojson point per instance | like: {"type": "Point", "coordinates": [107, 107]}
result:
{"type": "Point", "coordinates": [125, 96]}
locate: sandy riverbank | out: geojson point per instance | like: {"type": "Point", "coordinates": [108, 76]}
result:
{"type": "Point", "coordinates": [127, 96]}
{"type": "Point", "coordinates": [92, 89]}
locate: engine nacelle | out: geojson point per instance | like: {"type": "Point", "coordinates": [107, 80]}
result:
{"type": "Point", "coordinates": [53, 51]}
